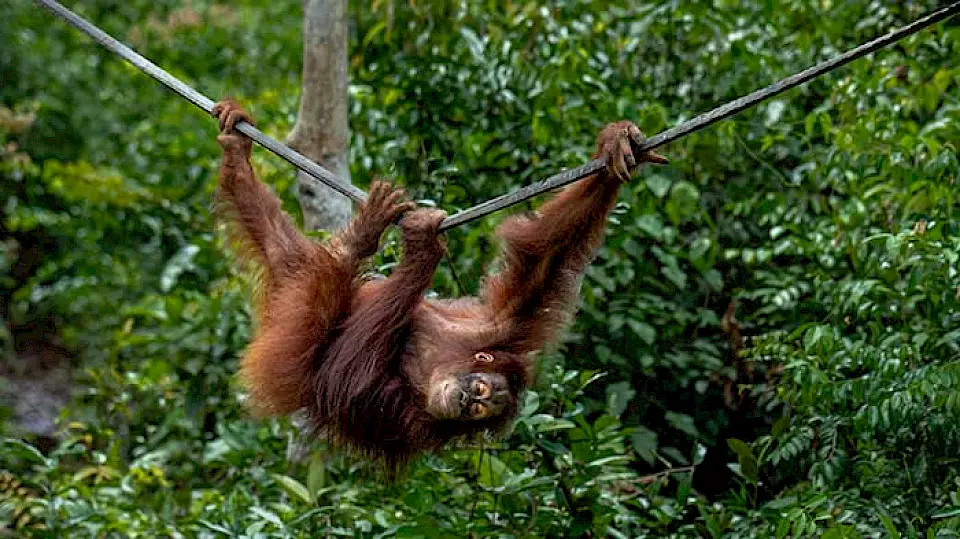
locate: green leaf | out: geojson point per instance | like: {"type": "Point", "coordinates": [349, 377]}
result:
{"type": "Point", "coordinates": [619, 396]}
{"type": "Point", "coordinates": [473, 42]}
{"type": "Point", "coordinates": [676, 275]}
{"type": "Point", "coordinates": [604, 461]}
{"type": "Point", "coordinates": [555, 424]}
{"type": "Point", "coordinates": [740, 448]}
{"type": "Point", "coordinates": [950, 513]}
{"type": "Point", "coordinates": [682, 422]}
{"type": "Point", "coordinates": [651, 225]}
{"type": "Point", "coordinates": [714, 279]}
{"type": "Point", "coordinates": [553, 448]}
{"type": "Point", "coordinates": [181, 262]}
{"type": "Point", "coordinates": [746, 460]}
{"type": "Point", "coordinates": [217, 528]}
{"type": "Point", "coordinates": [644, 331]}
{"type": "Point", "coordinates": [658, 185]}
{"type": "Point", "coordinates": [294, 488]}
{"type": "Point", "coordinates": [531, 403]}
{"type": "Point", "coordinates": [316, 473]}
{"type": "Point", "coordinates": [683, 202]}
{"type": "Point", "coordinates": [779, 427]}
{"type": "Point", "coordinates": [749, 469]}
{"type": "Point", "coordinates": [892, 530]}
{"type": "Point", "coordinates": [492, 471]}
{"type": "Point", "coordinates": [20, 449]}
{"type": "Point", "coordinates": [269, 516]}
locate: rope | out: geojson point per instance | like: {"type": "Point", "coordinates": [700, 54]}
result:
{"type": "Point", "coordinates": [558, 180]}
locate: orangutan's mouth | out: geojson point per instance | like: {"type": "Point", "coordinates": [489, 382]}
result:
{"type": "Point", "coordinates": [446, 399]}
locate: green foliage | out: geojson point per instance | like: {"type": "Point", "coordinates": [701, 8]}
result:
{"type": "Point", "coordinates": [828, 215]}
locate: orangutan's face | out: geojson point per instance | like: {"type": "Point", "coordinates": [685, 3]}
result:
{"type": "Point", "coordinates": [469, 396]}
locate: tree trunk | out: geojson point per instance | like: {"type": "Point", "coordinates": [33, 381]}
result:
{"type": "Point", "coordinates": [322, 132]}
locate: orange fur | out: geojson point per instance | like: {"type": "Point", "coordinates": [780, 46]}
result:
{"type": "Point", "coordinates": [360, 357]}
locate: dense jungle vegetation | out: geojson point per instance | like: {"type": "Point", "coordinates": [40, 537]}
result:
{"type": "Point", "coordinates": [769, 341]}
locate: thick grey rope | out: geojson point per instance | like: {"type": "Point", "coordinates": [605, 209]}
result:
{"type": "Point", "coordinates": [564, 178]}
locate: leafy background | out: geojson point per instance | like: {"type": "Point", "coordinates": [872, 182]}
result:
{"type": "Point", "coordinates": [825, 402]}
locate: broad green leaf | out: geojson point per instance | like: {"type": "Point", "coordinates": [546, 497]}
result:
{"type": "Point", "coordinates": [294, 488]}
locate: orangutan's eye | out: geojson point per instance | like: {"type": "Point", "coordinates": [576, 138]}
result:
{"type": "Point", "coordinates": [483, 357]}
{"type": "Point", "coordinates": [478, 411]}
{"type": "Point", "coordinates": [481, 389]}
